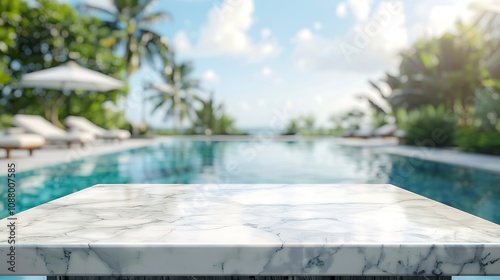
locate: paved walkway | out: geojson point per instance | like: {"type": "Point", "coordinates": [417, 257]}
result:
{"type": "Point", "coordinates": [52, 155]}
{"type": "Point", "coordinates": [449, 156]}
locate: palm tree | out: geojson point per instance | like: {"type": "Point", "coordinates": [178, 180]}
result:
{"type": "Point", "coordinates": [488, 21]}
{"type": "Point", "coordinates": [208, 116]}
{"type": "Point", "coordinates": [353, 119]}
{"type": "Point", "coordinates": [375, 105]}
{"type": "Point", "coordinates": [177, 94]}
{"type": "Point", "coordinates": [309, 122]}
{"type": "Point", "coordinates": [445, 70]}
{"type": "Point", "coordinates": [129, 22]}
{"type": "Point", "coordinates": [211, 118]}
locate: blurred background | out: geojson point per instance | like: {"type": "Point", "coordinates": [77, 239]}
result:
{"type": "Point", "coordinates": [230, 67]}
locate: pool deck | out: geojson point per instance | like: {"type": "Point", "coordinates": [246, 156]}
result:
{"type": "Point", "coordinates": [52, 155]}
{"type": "Point", "coordinates": [55, 155]}
{"type": "Point", "coordinates": [449, 156]}
{"type": "Point", "coordinates": [222, 230]}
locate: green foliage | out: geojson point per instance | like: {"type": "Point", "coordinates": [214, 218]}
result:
{"type": "Point", "coordinates": [482, 134]}
{"type": "Point", "coordinates": [352, 119]}
{"type": "Point", "coordinates": [292, 127]}
{"type": "Point", "coordinates": [309, 122]}
{"type": "Point", "coordinates": [436, 89]}
{"type": "Point", "coordinates": [10, 11]}
{"type": "Point", "coordinates": [487, 110]}
{"type": "Point", "coordinates": [113, 119]}
{"type": "Point", "coordinates": [177, 94]}
{"type": "Point", "coordinates": [379, 119]}
{"type": "Point", "coordinates": [47, 34]}
{"type": "Point", "coordinates": [441, 71]}
{"type": "Point", "coordinates": [430, 126]}
{"type": "Point", "coordinates": [5, 121]}
{"type": "Point", "coordinates": [129, 28]}
{"type": "Point", "coordinates": [211, 120]}
{"type": "Point", "coordinates": [488, 21]}
{"type": "Point", "coordinates": [305, 125]}
{"type": "Point", "coordinates": [473, 139]}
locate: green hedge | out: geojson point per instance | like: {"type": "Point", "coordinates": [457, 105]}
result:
{"type": "Point", "coordinates": [430, 126]}
{"type": "Point", "coordinates": [472, 139]}
{"type": "Point", "coordinates": [5, 121]}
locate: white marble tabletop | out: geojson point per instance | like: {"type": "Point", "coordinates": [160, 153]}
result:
{"type": "Point", "coordinates": [250, 230]}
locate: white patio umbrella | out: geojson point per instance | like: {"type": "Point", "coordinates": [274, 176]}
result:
{"type": "Point", "coordinates": [70, 76]}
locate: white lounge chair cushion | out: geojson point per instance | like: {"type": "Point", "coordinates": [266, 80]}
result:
{"type": "Point", "coordinates": [37, 125]}
{"type": "Point", "coordinates": [21, 140]}
{"type": "Point", "coordinates": [364, 131]}
{"type": "Point", "coordinates": [40, 126]}
{"type": "Point", "coordinates": [386, 129]}
{"type": "Point", "coordinates": [82, 124]}
{"type": "Point", "coordinates": [15, 131]}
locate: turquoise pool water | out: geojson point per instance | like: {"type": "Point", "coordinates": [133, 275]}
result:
{"type": "Point", "coordinates": [318, 161]}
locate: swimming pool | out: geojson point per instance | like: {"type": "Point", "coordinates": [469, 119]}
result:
{"type": "Point", "coordinates": [315, 161]}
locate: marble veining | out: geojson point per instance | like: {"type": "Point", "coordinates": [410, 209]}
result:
{"type": "Point", "coordinates": [250, 230]}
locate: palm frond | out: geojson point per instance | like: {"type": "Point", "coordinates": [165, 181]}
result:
{"type": "Point", "coordinates": [154, 18]}
{"type": "Point", "coordinates": [91, 7]}
{"type": "Point", "coordinates": [158, 105]}
{"type": "Point", "coordinates": [141, 6]}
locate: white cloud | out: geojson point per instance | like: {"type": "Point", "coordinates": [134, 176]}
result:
{"type": "Point", "coordinates": [319, 99]}
{"type": "Point", "coordinates": [304, 34]}
{"type": "Point", "coordinates": [360, 8]}
{"type": "Point", "coordinates": [267, 49]}
{"type": "Point", "coordinates": [210, 76]}
{"type": "Point", "coordinates": [369, 47]}
{"type": "Point", "coordinates": [317, 25]}
{"type": "Point", "coordinates": [341, 9]}
{"type": "Point", "coordinates": [266, 71]}
{"type": "Point", "coordinates": [244, 105]}
{"type": "Point", "coordinates": [265, 33]}
{"type": "Point", "coordinates": [225, 33]}
{"type": "Point", "coordinates": [438, 19]}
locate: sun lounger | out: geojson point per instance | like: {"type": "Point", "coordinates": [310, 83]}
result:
{"type": "Point", "coordinates": [385, 130]}
{"type": "Point", "coordinates": [364, 132]}
{"type": "Point", "coordinates": [82, 124]}
{"type": "Point", "coordinates": [400, 134]}
{"type": "Point", "coordinates": [51, 133]}
{"type": "Point", "coordinates": [348, 133]}
{"type": "Point", "coordinates": [28, 142]}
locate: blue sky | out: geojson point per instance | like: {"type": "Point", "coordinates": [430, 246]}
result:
{"type": "Point", "coordinates": [302, 57]}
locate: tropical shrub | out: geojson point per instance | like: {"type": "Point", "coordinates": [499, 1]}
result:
{"type": "Point", "coordinates": [211, 119]}
{"type": "Point", "coordinates": [292, 127]}
{"type": "Point", "coordinates": [472, 139]}
{"type": "Point", "coordinates": [5, 121]}
{"type": "Point", "coordinates": [482, 134]}
{"type": "Point", "coordinates": [487, 110]}
{"type": "Point", "coordinates": [430, 126]}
